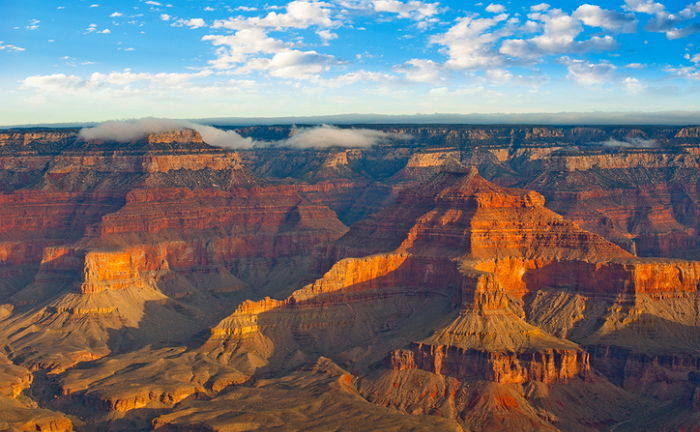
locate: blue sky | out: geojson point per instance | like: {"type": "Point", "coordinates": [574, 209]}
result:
{"type": "Point", "coordinates": [95, 60]}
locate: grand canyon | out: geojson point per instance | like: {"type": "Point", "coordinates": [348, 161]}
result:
{"type": "Point", "coordinates": [441, 278]}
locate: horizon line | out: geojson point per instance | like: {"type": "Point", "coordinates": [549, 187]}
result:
{"type": "Point", "coordinates": [562, 118]}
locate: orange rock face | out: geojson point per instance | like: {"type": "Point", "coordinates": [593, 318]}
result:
{"type": "Point", "coordinates": [468, 278]}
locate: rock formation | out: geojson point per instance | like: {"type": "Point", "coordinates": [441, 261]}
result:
{"type": "Point", "coordinates": [468, 278]}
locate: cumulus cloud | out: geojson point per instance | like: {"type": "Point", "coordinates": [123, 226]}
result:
{"type": "Point", "coordinates": [330, 136]}
{"type": "Point", "coordinates": [326, 35]}
{"type": "Point", "coordinates": [560, 31]}
{"type": "Point", "coordinates": [92, 28]}
{"type": "Point", "coordinates": [644, 6]}
{"type": "Point", "coordinates": [193, 23]}
{"type": "Point", "coordinates": [251, 49]}
{"type": "Point", "coordinates": [595, 16]}
{"type": "Point", "coordinates": [416, 10]}
{"type": "Point", "coordinates": [663, 21]}
{"type": "Point", "coordinates": [298, 14]}
{"type": "Point", "coordinates": [587, 73]}
{"type": "Point", "coordinates": [323, 136]}
{"type": "Point", "coordinates": [633, 85]}
{"type": "Point", "coordinates": [469, 43]}
{"type": "Point", "coordinates": [420, 70]}
{"type": "Point", "coordinates": [292, 64]}
{"type": "Point", "coordinates": [495, 8]}
{"type": "Point", "coordinates": [237, 47]}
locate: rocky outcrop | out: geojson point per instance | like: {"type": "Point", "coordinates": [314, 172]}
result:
{"type": "Point", "coordinates": [165, 280]}
{"type": "Point", "coordinates": [21, 413]}
{"type": "Point", "coordinates": [318, 397]}
{"type": "Point", "coordinates": [357, 300]}
{"type": "Point", "coordinates": [547, 366]}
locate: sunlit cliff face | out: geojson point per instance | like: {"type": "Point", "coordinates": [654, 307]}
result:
{"type": "Point", "coordinates": [469, 278]}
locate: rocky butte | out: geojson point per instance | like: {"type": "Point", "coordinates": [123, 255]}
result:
{"type": "Point", "coordinates": [462, 278]}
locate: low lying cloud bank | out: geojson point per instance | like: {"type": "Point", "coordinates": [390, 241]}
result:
{"type": "Point", "coordinates": [315, 137]}
{"type": "Point", "coordinates": [631, 143]}
{"type": "Point", "coordinates": [131, 130]}
{"type": "Point", "coordinates": [331, 136]}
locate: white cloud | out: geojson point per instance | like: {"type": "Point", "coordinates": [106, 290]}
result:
{"type": "Point", "coordinates": [690, 11]}
{"type": "Point", "coordinates": [298, 14]}
{"type": "Point", "coordinates": [633, 85]}
{"type": "Point", "coordinates": [110, 81]}
{"type": "Point", "coordinates": [292, 64]}
{"type": "Point", "coordinates": [165, 17]}
{"type": "Point", "coordinates": [132, 130]}
{"type": "Point", "coordinates": [635, 66]}
{"type": "Point", "coordinates": [246, 9]}
{"type": "Point", "coordinates": [469, 43]}
{"type": "Point", "coordinates": [193, 23]}
{"type": "Point", "coordinates": [116, 14]}
{"type": "Point", "coordinates": [495, 8]}
{"type": "Point", "coordinates": [317, 137]}
{"type": "Point", "coordinates": [595, 16]}
{"type": "Point", "coordinates": [326, 35]}
{"type": "Point", "coordinates": [644, 6]}
{"type": "Point", "coordinates": [587, 73]}
{"type": "Point", "coordinates": [9, 47]}
{"type": "Point", "coordinates": [33, 24]}
{"type": "Point", "coordinates": [420, 70]}
{"type": "Point", "coordinates": [672, 25]}
{"type": "Point", "coordinates": [695, 58]}
{"type": "Point", "coordinates": [236, 48]}
{"type": "Point", "coordinates": [686, 72]}
{"type": "Point", "coordinates": [52, 82]}
{"type": "Point", "coordinates": [539, 7]}
{"type": "Point", "coordinates": [152, 3]}
{"type": "Point", "coordinates": [92, 28]}
{"type": "Point", "coordinates": [209, 9]}
{"type": "Point", "coordinates": [560, 31]}
{"type": "Point", "coordinates": [498, 76]}
{"type": "Point", "coordinates": [331, 136]}
{"type": "Point", "coordinates": [94, 5]}
{"type": "Point", "coordinates": [415, 10]}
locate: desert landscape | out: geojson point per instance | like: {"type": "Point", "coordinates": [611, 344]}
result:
{"type": "Point", "coordinates": [466, 278]}
{"type": "Point", "coordinates": [349, 216]}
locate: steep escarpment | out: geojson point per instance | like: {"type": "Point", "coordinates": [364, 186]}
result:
{"type": "Point", "coordinates": [468, 278]}
{"type": "Point", "coordinates": [637, 186]}
{"type": "Point", "coordinates": [119, 244]}
{"type": "Point", "coordinates": [491, 249]}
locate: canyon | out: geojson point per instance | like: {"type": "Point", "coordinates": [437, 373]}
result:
{"type": "Point", "coordinates": [460, 278]}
